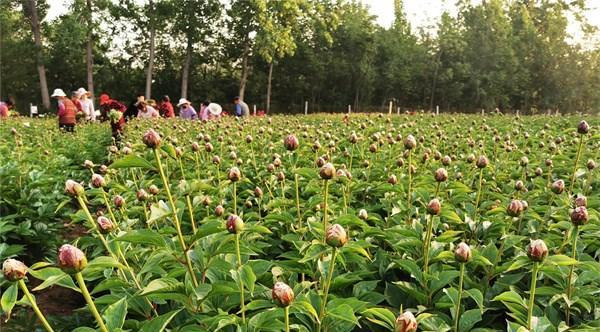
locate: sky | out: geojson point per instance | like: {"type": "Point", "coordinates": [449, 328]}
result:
{"type": "Point", "coordinates": [420, 13]}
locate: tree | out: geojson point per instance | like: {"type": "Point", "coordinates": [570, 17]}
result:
{"type": "Point", "coordinates": [31, 9]}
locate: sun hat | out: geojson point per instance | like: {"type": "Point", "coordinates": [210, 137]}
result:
{"type": "Point", "coordinates": [104, 98]}
{"type": "Point", "coordinates": [214, 108]}
{"type": "Point", "coordinates": [58, 93]}
{"type": "Point", "coordinates": [151, 102]}
{"type": "Point", "coordinates": [183, 101]}
{"type": "Point", "coordinates": [81, 91]}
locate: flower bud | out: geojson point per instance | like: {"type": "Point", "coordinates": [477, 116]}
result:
{"type": "Point", "coordinates": [208, 147]}
{"type": "Point", "coordinates": [141, 195]}
{"type": "Point", "coordinates": [537, 250]}
{"type": "Point", "coordinates": [258, 192]}
{"type": "Point", "coordinates": [482, 162]}
{"type": "Point", "coordinates": [153, 190]}
{"type": "Point", "coordinates": [400, 162]}
{"type": "Point", "coordinates": [127, 150]}
{"type": "Point", "coordinates": [434, 207]}
{"type": "Point", "coordinates": [74, 188]}
{"type": "Point", "coordinates": [579, 216]}
{"type": "Point", "coordinates": [88, 164]}
{"type": "Point", "coordinates": [103, 169]}
{"type": "Point", "coordinates": [105, 224]}
{"type": "Point", "coordinates": [558, 186]}
{"type": "Point", "coordinates": [327, 171]}
{"type": "Point", "coordinates": [291, 142]}
{"type": "Point", "coordinates": [470, 158]}
{"type": "Point", "coordinates": [195, 147]}
{"type": "Point", "coordinates": [219, 210]}
{"type": "Point", "coordinates": [70, 259]}
{"type": "Point", "coordinates": [591, 164]}
{"type": "Point", "coordinates": [206, 200]}
{"type": "Point", "coordinates": [216, 160]}
{"type": "Point", "coordinates": [524, 161]}
{"type": "Point", "coordinates": [282, 294]}
{"type": "Point", "coordinates": [373, 148]}
{"type": "Point", "coordinates": [248, 138]}
{"type": "Point", "coordinates": [281, 176]}
{"type": "Point", "coordinates": [515, 207]}
{"type": "Point", "coordinates": [119, 201]}
{"type": "Point", "coordinates": [234, 224]}
{"type": "Point", "coordinates": [581, 201]}
{"type": "Point", "coordinates": [234, 174]}
{"type": "Point", "coordinates": [519, 185]}
{"type": "Point", "coordinates": [410, 142]}
{"type": "Point", "coordinates": [441, 175]}
{"type": "Point", "coordinates": [446, 160]}
{"type": "Point", "coordinates": [151, 139]}
{"type": "Point", "coordinates": [353, 138]}
{"type": "Point", "coordinates": [98, 181]}
{"type": "Point", "coordinates": [336, 236]}
{"type": "Point", "coordinates": [178, 152]}
{"type": "Point", "coordinates": [392, 179]}
{"type": "Point", "coordinates": [539, 171]}
{"type": "Point", "coordinates": [583, 127]}
{"type": "Point", "coordinates": [362, 214]}
{"type": "Point", "coordinates": [14, 270]}
{"type": "Point", "coordinates": [406, 322]}
{"type": "Point", "coordinates": [462, 254]}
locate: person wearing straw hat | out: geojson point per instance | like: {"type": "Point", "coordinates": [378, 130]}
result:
{"type": "Point", "coordinates": [210, 111]}
{"type": "Point", "coordinates": [67, 111]}
{"type": "Point", "coordinates": [145, 111]}
{"type": "Point", "coordinates": [186, 111]}
{"type": "Point", "coordinates": [87, 105]}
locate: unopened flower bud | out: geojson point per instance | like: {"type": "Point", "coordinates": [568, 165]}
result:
{"type": "Point", "coordinates": [410, 142]}
{"type": "Point", "coordinates": [88, 164]}
{"type": "Point", "coordinates": [392, 179]}
{"type": "Point", "coordinates": [327, 171]}
{"type": "Point", "coordinates": [539, 171]}
{"type": "Point", "coordinates": [482, 162]}
{"type": "Point", "coordinates": [524, 161]}
{"type": "Point", "coordinates": [406, 322]}
{"type": "Point", "coordinates": [14, 270]}
{"type": "Point", "coordinates": [441, 175]}
{"type": "Point", "coordinates": [234, 174]}
{"type": "Point", "coordinates": [291, 142]}
{"type": "Point", "coordinates": [141, 195]}
{"type": "Point", "coordinates": [537, 250]}
{"type": "Point", "coordinates": [152, 139]}
{"type": "Point", "coordinates": [219, 210]}
{"type": "Point", "coordinates": [281, 176]}
{"type": "Point", "coordinates": [362, 214]}
{"type": "Point", "coordinates": [583, 127]}
{"type": "Point", "coordinates": [336, 236]}
{"type": "Point", "coordinates": [434, 207]}
{"type": "Point", "coordinates": [70, 259]}
{"type": "Point", "coordinates": [74, 188]}
{"type": "Point", "coordinates": [462, 254]}
{"type": "Point", "coordinates": [446, 160]}
{"type": "Point", "coordinates": [206, 201]}
{"type": "Point", "coordinates": [105, 224]}
{"type": "Point", "coordinates": [579, 216]}
{"type": "Point", "coordinates": [248, 138]}
{"type": "Point", "coordinates": [178, 152]}
{"type": "Point", "coordinates": [282, 294]}
{"type": "Point", "coordinates": [581, 201]}
{"type": "Point", "coordinates": [195, 147]}
{"type": "Point", "coordinates": [558, 186]}
{"type": "Point", "coordinates": [591, 164]}
{"type": "Point", "coordinates": [234, 224]}
{"type": "Point", "coordinates": [519, 185]}
{"type": "Point", "coordinates": [514, 208]}
{"type": "Point", "coordinates": [400, 162]}
{"type": "Point", "coordinates": [258, 192]}
{"type": "Point", "coordinates": [208, 147]}
{"type": "Point", "coordinates": [119, 201]}
{"type": "Point", "coordinates": [153, 189]}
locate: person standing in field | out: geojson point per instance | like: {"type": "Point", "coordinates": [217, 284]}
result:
{"type": "Point", "coordinates": [145, 111]}
{"type": "Point", "coordinates": [116, 118]}
{"type": "Point", "coordinates": [87, 105]}
{"type": "Point", "coordinates": [132, 109]}
{"type": "Point", "coordinates": [67, 111]}
{"type": "Point", "coordinates": [241, 108]}
{"type": "Point", "coordinates": [166, 108]}
{"type": "Point", "coordinates": [5, 107]}
{"type": "Point", "coordinates": [186, 111]}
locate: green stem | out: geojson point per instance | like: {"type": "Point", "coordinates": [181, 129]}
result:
{"type": "Point", "coordinates": [460, 289]}
{"type": "Point", "coordinates": [90, 302]}
{"type": "Point", "coordinates": [328, 284]}
{"type": "Point", "coordinates": [575, 167]}
{"type": "Point", "coordinates": [478, 192]}
{"type": "Point", "coordinates": [409, 196]}
{"type": "Point", "coordinates": [534, 272]}
{"type": "Point", "coordinates": [239, 261]}
{"type": "Point", "coordinates": [33, 304]}
{"type": "Point", "coordinates": [287, 318]}
{"type": "Point", "coordinates": [191, 212]}
{"type": "Point", "coordinates": [110, 211]}
{"type": "Point", "coordinates": [570, 278]}
{"type": "Point", "coordinates": [175, 218]}
{"type": "Point", "coordinates": [325, 207]}
{"type": "Point", "coordinates": [427, 244]}
{"type": "Point", "coordinates": [235, 198]}
{"type": "Point", "coordinates": [297, 200]}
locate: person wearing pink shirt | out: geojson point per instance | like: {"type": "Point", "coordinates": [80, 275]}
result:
{"type": "Point", "coordinates": [5, 107]}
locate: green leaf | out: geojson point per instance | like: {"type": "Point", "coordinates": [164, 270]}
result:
{"type": "Point", "coordinates": [131, 161]}
{"type": "Point", "coordinates": [104, 262]}
{"type": "Point", "coordinates": [561, 260]}
{"type": "Point", "coordinates": [52, 276]}
{"type": "Point", "coordinates": [519, 262]}
{"type": "Point", "coordinates": [207, 229]}
{"type": "Point", "coordinates": [159, 323]}
{"type": "Point", "coordinates": [9, 298]}
{"type": "Point", "coordinates": [161, 285]}
{"type": "Point", "coordinates": [342, 312]}
{"type": "Point", "coordinates": [143, 236]}
{"type": "Point", "coordinates": [114, 314]}
{"type": "Point", "coordinates": [306, 308]}
{"type": "Point", "coordinates": [468, 319]}
{"type": "Point", "coordinates": [477, 296]}
{"type": "Point", "coordinates": [511, 297]}
{"type": "Point", "coordinates": [380, 316]}
{"type": "Point", "coordinates": [248, 278]}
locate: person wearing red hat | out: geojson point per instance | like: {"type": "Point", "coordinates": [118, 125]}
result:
{"type": "Point", "coordinates": [117, 121]}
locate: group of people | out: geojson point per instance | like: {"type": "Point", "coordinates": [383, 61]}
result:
{"type": "Point", "coordinates": [81, 107]}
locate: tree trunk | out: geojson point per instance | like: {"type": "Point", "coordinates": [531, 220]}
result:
{"type": "Point", "coordinates": [185, 75]}
{"type": "Point", "coordinates": [268, 107]}
{"type": "Point", "coordinates": [37, 36]}
{"type": "Point", "coordinates": [89, 50]}
{"type": "Point", "coordinates": [150, 68]}
{"type": "Point", "coordinates": [244, 77]}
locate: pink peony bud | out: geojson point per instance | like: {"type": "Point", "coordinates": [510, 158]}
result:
{"type": "Point", "coordinates": [208, 147]}
{"type": "Point", "coordinates": [258, 192]}
{"type": "Point", "coordinates": [583, 127]}
{"type": "Point", "coordinates": [152, 139]}
{"type": "Point", "coordinates": [537, 250]}
{"type": "Point", "coordinates": [88, 164]}
{"type": "Point", "coordinates": [282, 294]}
{"type": "Point", "coordinates": [103, 169]}
{"type": "Point", "coordinates": [234, 174]}
{"type": "Point", "coordinates": [591, 164]}
{"type": "Point", "coordinates": [519, 185]}
{"type": "Point", "coordinates": [441, 175]}
{"type": "Point", "coordinates": [446, 160]}
{"type": "Point", "coordinates": [406, 322]}
{"type": "Point", "coordinates": [14, 270]}
{"type": "Point", "coordinates": [98, 181]}
{"type": "Point", "coordinates": [70, 259]}
{"type": "Point", "coordinates": [327, 171]}
{"type": "Point", "coordinates": [248, 139]}
{"type": "Point", "coordinates": [195, 147]}
{"type": "Point", "coordinates": [579, 216]}
{"type": "Point", "coordinates": [581, 201]}
{"type": "Point", "coordinates": [410, 142]}
{"type": "Point", "coordinates": [482, 162]}
{"type": "Point", "coordinates": [392, 179]}
{"type": "Point", "coordinates": [219, 210]}
{"type": "Point", "coordinates": [216, 160]}
{"type": "Point", "coordinates": [119, 201]}
{"type": "Point", "coordinates": [362, 214]}
{"type": "Point", "coordinates": [105, 224]}
{"type": "Point", "coordinates": [434, 207]}
{"type": "Point", "coordinates": [558, 186]}
{"type": "Point", "coordinates": [514, 208]}
{"type": "Point", "coordinates": [336, 236]}
{"type": "Point", "coordinates": [462, 254]}
{"type": "Point", "coordinates": [141, 195]}
{"type": "Point", "coordinates": [153, 189]}
{"type": "Point", "coordinates": [291, 142]}
{"type": "Point", "coordinates": [234, 224]}
{"type": "Point", "coordinates": [74, 188]}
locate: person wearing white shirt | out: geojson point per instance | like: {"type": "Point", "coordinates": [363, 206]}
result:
{"type": "Point", "coordinates": [146, 111]}
{"type": "Point", "coordinates": [87, 105]}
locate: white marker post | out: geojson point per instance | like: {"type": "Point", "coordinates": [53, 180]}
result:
{"type": "Point", "coordinates": [437, 109]}
{"type": "Point", "coordinates": [397, 110]}
{"type": "Point", "coordinates": [518, 112]}
{"type": "Point", "coordinates": [254, 108]}
{"type": "Point", "coordinates": [306, 107]}
{"type": "Point", "coordinates": [482, 111]}
{"type": "Point", "coordinates": [349, 109]}
{"type": "Point", "coordinates": [390, 108]}
{"type": "Point", "coordinates": [33, 110]}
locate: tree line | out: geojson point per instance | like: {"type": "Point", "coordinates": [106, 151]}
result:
{"type": "Point", "coordinates": [279, 54]}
